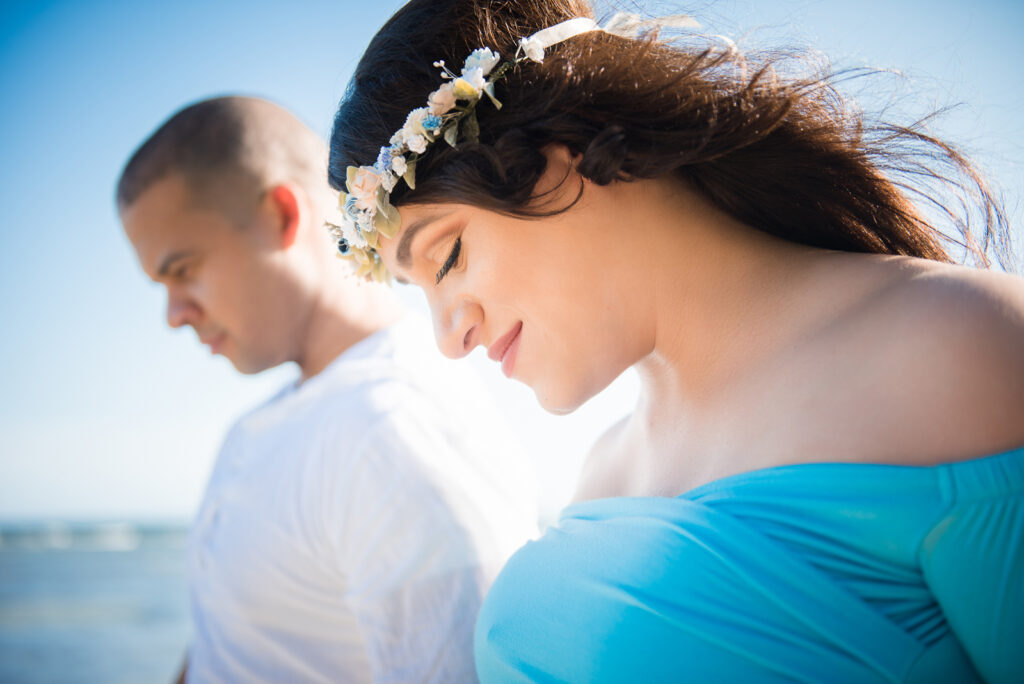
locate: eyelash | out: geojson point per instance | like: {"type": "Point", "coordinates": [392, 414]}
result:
{"type": "Point", "coordinates": [450, 262]}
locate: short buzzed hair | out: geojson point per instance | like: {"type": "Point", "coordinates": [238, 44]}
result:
{"type": "Point", "coordinates": [229, 150]}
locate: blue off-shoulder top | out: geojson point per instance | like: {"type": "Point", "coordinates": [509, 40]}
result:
{"type": "Point", "coordinates": [831, 572]}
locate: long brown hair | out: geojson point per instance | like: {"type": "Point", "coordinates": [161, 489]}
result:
{"type": "Point", "coordinates": [783, 153]}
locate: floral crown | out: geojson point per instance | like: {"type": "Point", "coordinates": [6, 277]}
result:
{"type": "Point", "coordinates": [450, 115]}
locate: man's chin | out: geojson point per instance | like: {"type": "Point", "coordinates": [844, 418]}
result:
{"type": "Point", "coordinates": [247, 369]}
{"type": "Point", "coordinates": [250, 366]}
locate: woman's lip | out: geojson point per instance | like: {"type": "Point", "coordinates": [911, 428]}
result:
{"type": "Point", "coordinates": [497, 350]}
{"type": "Point", "coordinates": [508, 359]}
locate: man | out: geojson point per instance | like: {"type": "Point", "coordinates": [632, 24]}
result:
{"type": "Point", "coordinates": [352, 524]}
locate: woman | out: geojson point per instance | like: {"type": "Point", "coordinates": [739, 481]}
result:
{"type": "Point", "coordinates": [823, 477]}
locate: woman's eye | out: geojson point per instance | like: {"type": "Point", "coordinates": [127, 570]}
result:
{"type": "Point", "coordinates": [451, 261]}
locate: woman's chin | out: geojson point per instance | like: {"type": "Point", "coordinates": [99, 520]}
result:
{"type": "Point", "coordinates": [565, 397]}
{"type": "Point", "coordinates": [556, 404]}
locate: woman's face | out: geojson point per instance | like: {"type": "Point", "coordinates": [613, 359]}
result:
{"type": "Point", "coordinates": [538, 294]}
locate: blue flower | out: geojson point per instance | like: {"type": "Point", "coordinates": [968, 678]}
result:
{"type": "Point", "coordinates": [431, 122]}
{"type": "Point", "coordinates": [383, 161]}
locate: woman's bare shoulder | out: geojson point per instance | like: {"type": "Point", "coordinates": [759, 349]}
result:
{"type": "Point", "coordinates": [948, 342]}
{"type": "Point", "coordinates": [960, 314]}
{"type": "Point", "coordinates": [603, 470]}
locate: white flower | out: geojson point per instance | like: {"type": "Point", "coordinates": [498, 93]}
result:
{"type": "Point", "coordinates": [416, 143]}
{"type": "Point", "coordinates": [442, 100]}
{"type": "Point", "coordinates": [388, 180]}
{"type": "Point", "coordinates": [398, 165]}
{"type": "Point", "coordinates": [475, 77]}
{"type": "Point", "coordinates": [352, 236]}
{"type": "Point", "coordinates": [362, 183]}
{"type": "Point", "coordinates": [469, 85]}
{"type": "Point", "coordinates": [484, 59]}
{"type": "Point", "coordinates": [364, 221]}
{"type": "Point", "coordinates": [414, 123]}
{"type": "Point", "coordinates": [533, 48]}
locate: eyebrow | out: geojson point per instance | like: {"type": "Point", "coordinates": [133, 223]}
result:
{"type": "Point", "coordinates": [170, 259]}
{"type": "Point", "coordinates": [404, 252]}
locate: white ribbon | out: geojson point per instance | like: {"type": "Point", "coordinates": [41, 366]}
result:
{"type": "Point", "coordinates": [621, 24]}
{"type": "Point", "coordinates": [533, 47]}
{"type": "Point", "coordinates": [632, 25]}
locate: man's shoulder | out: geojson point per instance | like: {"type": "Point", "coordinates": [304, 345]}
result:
{"type": "Point", "coordinates": [350, 398]}
{"type": "Point", "coordinates": [410, 370]}
{"type": "Point", "coordinates": [327, 417]}
{"type": "Point", "coordinates": [397, 397]}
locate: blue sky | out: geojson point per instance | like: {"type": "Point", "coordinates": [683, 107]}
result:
{"type": "Point", "coordinates": [104, 412]}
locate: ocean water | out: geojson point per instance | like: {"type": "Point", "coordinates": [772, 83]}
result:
{"type": "Point", "coordinates": [92, 603]}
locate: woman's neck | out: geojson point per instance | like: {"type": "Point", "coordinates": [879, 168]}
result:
{"type": "Point", "coordinates": [728, 303]}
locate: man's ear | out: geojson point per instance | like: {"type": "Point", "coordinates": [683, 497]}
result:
{"type": "Point", "coordinates": [288, 208]}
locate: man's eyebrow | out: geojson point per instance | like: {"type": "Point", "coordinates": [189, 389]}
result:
{"type": "Point", "coordinates": [404, 252]}
{"type": "Point", "coordinates": [170, 259]}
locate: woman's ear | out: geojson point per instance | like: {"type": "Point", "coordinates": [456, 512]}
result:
{"type": "Point", "coordinates": [561, 183]}
{"type": "Point", "coordinates": [560, 156]}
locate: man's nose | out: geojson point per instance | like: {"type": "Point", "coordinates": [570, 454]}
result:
{"type": "Point", "coordinates": [180, 310]}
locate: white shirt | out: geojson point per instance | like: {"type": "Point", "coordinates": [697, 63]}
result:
{"type": "Point", "coordinates": [352, 525]}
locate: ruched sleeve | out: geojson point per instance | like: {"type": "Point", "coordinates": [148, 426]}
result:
{"type": "Point", "coordinates": [829, 572]}
{"type": "Point", "coordinates": [973, 561]}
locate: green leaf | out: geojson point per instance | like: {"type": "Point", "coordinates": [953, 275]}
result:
{"type": "Point", "coordinates": [381, 198]}
{"type": "Point", "coordinates": [380, 273]}
{"type": "Point", "coordinates": [471, 127]}
{"type": "Point", "coordinates": [489, 89]}
{"type": "Point", "coordinates": [451, 134]}
{"type": "Point", "coordinates": [371, 235]}
{"type": "Point", "coordinates": [410, 174]}
{"type": "Point", "coordinates": [387, 221]}
{"type": "Point", "coordinates": [350, 173]}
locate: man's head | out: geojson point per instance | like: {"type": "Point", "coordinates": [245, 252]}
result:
{"type": "Point", "coordinates": [224, 205]}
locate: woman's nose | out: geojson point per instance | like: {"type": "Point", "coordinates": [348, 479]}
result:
{"type": "Point", "coordinates": [456, 326]}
